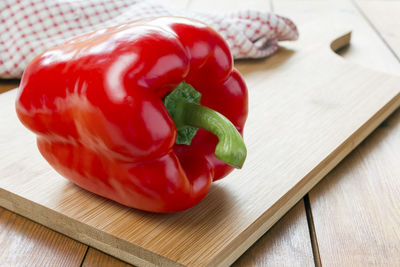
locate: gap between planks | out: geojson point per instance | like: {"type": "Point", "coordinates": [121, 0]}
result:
{"type": "Point", "coordinates": [358, 5]}
{"type": "Point", "coordinates": [311, 229]}
{"type": "Point", "coordinates": [391, 67]}
{"type": "Point", "coordinates": [7, 85]}
{"type": "Point", "coordinates": [26, 243]}
{"type": "Point", "coordinates": [285, 244]}
{"type": "Point", "coordinates": [256, 257]}
{"type": "Point", "coordinates": [373, 158]}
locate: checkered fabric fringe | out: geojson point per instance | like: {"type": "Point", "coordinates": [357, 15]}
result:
{"type": "Point", "coordinates": [29, 27]}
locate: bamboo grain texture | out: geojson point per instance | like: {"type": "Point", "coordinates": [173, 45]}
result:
{"type": "Point", "coordinates": [276, 246]}
{"type": "Point", "coordinates": [287, 243]}
{"type": "Point", "coordinates": [367, 48]}
{"type": "Point", "coordinates": [355, 208]}
{"type": "Point", "coordinates": [236, 212]}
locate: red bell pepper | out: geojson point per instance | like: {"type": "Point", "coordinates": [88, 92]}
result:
{"type": "Point", "coordinates": [116, 111]}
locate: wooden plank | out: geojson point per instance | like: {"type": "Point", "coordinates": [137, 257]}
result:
{"type": "Point", "coordinates": [46, 247]}
{"type": "Point", "coordinates": [355, 208]}
{"type": "Point", "coordinates": [287, 243]}
{"type": "Point", "coordinates": [25, 243]}
{"type": "Point", "coordinates": [366, 49]}
{"type": "Point", "coordinates": [261, 253]}
{"type": "Point", "coordinates": [95, 258]}
{"type": "Point", "coordinates": [236, 212]}
{"type": "Point", "coordinates": [385, 17]}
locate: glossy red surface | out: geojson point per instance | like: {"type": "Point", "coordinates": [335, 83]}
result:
{"type": "Point", "coordinates": [96, 106]}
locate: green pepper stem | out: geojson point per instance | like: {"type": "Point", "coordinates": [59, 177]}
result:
{"type": "Point", "coordinates": [230, 148]}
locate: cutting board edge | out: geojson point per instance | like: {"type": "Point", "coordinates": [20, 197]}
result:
{"type": "Point", "coordinates": [240, 244]}
{"type": "Point", "coordinates": [228, 256]}
{"type": "Point", "coordinates": [22, 207]}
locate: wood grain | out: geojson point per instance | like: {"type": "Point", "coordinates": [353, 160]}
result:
{"type": "Point", "coordinates": [384, 16]}
{"type": "Point", "coordinates": [236, 212]}
{"type": "Point", "coordinates": [25, 243]}
{"type": "Point", "coordinates": [287, 243]}
{"type": "Point", "coordinates": [366, 46]}
{"type": "Point", "coordinates": [96, 258]}
{"type": "Point", "coordinates": [239, 209]}
{"type": "Point", "coordinates": [356, 207]}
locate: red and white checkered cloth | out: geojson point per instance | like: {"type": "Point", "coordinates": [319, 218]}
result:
{"type": "Point", "coordinates": [29, 27]}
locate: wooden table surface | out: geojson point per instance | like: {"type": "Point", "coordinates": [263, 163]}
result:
{"type": "Point", "coordinates": [352, 217]}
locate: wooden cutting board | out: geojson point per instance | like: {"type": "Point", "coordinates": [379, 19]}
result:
{"type": "Point", "coordinates": [308, 109]}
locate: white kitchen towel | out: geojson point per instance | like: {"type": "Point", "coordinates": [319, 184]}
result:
{"type": "Point", "coordinates": [29, 27]}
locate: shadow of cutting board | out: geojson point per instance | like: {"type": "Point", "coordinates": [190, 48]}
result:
{"type": "Point", "coordinates": [308, 109]}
